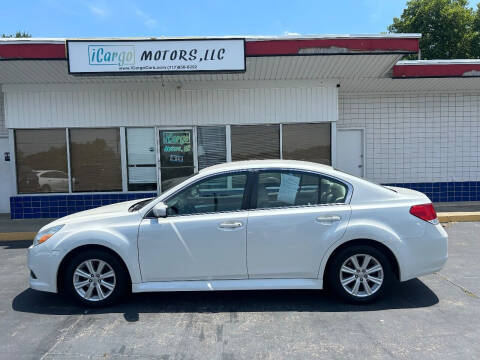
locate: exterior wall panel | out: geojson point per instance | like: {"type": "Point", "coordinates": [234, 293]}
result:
{"type": "Point", "coordinates": [417, 138]}
{"type": "Point", "coordinates": [97, 105]}
{"type": "Point", "coordinates": [3, 129]}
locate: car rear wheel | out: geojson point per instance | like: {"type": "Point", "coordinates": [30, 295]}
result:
{"type": "Point", "coordinates": [95, 278]}
{"type": "Point", "coordinates": [46, 188]}
{"type": "Point", "coordinates": [359, 274]}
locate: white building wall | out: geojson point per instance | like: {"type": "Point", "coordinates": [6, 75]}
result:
{"type": "Point", "coordinates": [6, 178]}
{"type": "Point", "coordinates": [96, 105]}
{"type": "Point", "coordinates": [3, 130]}
{"type": "Point", "coordinates": [417, 137]}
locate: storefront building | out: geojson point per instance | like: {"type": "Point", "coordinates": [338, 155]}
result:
{"type": "Point", "coordinates": [92, 122]}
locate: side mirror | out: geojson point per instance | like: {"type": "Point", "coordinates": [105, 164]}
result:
{"type": "Point", "coordinates": [160, 210]}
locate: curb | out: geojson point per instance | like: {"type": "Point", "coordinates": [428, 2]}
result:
{"type": "Point", "coordinates": [458, 216]}
{"type": "Point", "coordinates": [17, 236]}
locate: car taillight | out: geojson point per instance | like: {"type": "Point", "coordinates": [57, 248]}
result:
{"type": "Point", "coordinates": [425, 212]}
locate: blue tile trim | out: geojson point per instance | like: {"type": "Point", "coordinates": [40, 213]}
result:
{"type": "Point", "coordinates": [54, 206]}
{"type": "Point", "coordinates": [446, 191]}
{"type": "Point", "coordinates": [44, 206]}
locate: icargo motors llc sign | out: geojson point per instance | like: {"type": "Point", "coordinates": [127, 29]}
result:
{"type": "Point", "coordinates": [155, 56]}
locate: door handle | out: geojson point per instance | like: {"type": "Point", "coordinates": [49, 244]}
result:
{"type": "Point", "coordinates": [328, 219]}
{"type": "Point", "coordinates": [231, 224]}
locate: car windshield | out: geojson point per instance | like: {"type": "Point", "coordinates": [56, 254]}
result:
{"type": "Point", "coordinates": [137, 206]}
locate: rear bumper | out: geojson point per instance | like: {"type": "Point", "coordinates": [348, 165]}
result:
{"type": "Point", "coordinates": [426, 254]}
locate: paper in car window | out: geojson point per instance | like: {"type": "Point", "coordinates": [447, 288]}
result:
{"type": "Point", "coordinates": [288, 188]}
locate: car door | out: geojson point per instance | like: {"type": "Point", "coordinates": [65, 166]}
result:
{"type": "Point", "coordinates": [58, 181]}
{"type": "Point", "coordinates": [203, 236]}
{"type": "Point", "coordinates": [295, 216]}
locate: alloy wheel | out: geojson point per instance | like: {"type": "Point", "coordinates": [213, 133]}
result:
{"type": "Point", "coordinates": [361, 275]}
{"type": "Point", "coordinates": [94, 280]}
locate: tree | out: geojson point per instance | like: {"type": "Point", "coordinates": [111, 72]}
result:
{"type": "Point", "coordinates": [447, 27]}
{"type": "Point", "coordinates": [476, 34]}
{"type": "Point", "coordinates": [18, 34]}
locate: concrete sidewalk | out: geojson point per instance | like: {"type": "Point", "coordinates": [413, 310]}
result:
{"type": "Point", "coordinates": [461, 206]}
{"type": "Point", "coordinates": [26, 229]}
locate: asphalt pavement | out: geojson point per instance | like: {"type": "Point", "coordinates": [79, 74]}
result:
{"type": "Point", "coordinates": [434, 317]}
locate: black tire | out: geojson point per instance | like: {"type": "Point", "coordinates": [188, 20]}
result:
{"type": "Point", "coordinates": [46, 188]}
{"type": "Point", "coordinates": [333, 275]}
{"type": "Point", "coordinates": [121, 280]}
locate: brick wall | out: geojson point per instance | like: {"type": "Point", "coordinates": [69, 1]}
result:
{"type": "Point", "coordinates": [417, 138]}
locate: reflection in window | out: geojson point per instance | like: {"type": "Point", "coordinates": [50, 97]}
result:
{"type": "Point", "coordinates": [41, 159]}
{"type": "Point", "coordinates": [211, 146]}
{"type": "Point", "coordinates": [95, 159]}
{"type": "Point", "coordinates": [141, 159]}
{"type": "Point", "coordinates": [333, 191]}
{"type": "Point", "coordinates": [216, 194]}
{"type": "Point", "coordinates": [250, 142]}
{"type": "Point", "coordinates": [308, 142]}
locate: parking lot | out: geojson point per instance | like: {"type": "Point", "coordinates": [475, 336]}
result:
{"type": "Point", "coordinates": [436, 316]}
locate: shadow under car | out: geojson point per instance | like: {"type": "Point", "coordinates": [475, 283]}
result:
{"type": "Point", "coordinates": [411, 294]}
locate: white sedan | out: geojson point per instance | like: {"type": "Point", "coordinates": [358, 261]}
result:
{"type": "Point", "coordinates": [268, 224]}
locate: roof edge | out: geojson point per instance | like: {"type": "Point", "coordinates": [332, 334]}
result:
{"type": "Point", "coordinates": [436, 68]}
{"type": "Point", "coordinates": [437, 62]}
{"type": "Point", "coordinates": [49, 48]}
{"type": "Point", "coordinates": [246, 37]}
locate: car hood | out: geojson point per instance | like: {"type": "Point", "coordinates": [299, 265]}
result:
{"type": "Point", "coordinates": [113, 210]}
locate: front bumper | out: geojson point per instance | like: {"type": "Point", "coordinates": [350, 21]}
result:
{"type": "Point", "coordinates": [43, 263]}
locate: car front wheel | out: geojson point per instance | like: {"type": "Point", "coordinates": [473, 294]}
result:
{"type": "Point", "coordinates": [95, 278]}
{"type": "Point", "coordinates": [359, 274]}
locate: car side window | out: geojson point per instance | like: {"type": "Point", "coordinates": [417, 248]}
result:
{"type": "Point", "coordinates": [215, 194]}
{"type": "Point", "coordinates": [332, 191]}
{"type": "Point", "coordinates": [292, 188]}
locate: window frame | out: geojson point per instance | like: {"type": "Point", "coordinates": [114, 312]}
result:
{"type": "Point", "coordinates": [245, 201]}
{"type": "Point", "coordinates": [123, 154]}
{"type": "Point", "coordinates": [254, 189]}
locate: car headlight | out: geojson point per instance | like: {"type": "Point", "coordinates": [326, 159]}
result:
{"type": "Point", "coordinates": [46, 234]}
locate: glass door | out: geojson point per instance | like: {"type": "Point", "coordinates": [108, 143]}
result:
{"type": "Point", "coordinates": [176, 156]}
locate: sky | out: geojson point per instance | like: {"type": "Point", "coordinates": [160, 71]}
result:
{"type": "Point", "coordinates": [137, 18]}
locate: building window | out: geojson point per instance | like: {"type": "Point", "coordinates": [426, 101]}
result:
{"type": "Point", "coordinates": [211, 146]}
{"type": "Point", "coordinates": [251, 142]}
{"type": "Point", "coordinates": [95, 160]}
{"type": "Point", "coordinates": [308, 142]}
{"type": "Point", "coordinates": [141, 159]}
{"type": "Point", "coordinates": [41, 159]}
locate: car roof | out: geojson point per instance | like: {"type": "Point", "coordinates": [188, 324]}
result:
{"type": "Point", "coordinates": [266, 164]}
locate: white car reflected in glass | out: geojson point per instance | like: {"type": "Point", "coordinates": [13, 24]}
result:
{"type": "Point", "coordinates": [269, 224]}
{"type": "Point", "coordinates": [52, 180]}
